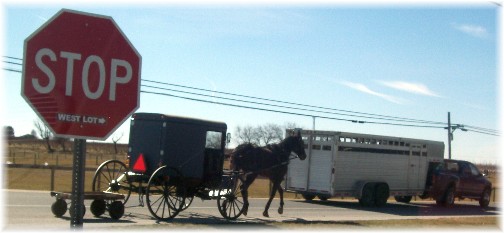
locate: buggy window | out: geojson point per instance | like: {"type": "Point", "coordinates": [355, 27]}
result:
{"type": "Point", "coordinates": [213, 140]}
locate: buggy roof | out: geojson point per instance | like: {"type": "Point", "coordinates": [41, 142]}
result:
{"type": "Point", "coordinates": [178, 119]}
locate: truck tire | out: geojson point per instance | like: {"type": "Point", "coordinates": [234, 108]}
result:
{"type": "Point", "coordinates": [449, 197]}
{"type": "Point", "coordinates": [484, 201]}
{"type": "Point", "coordinates": [368, 195]}
{"type": "Point", "coordinates": [381, 194]}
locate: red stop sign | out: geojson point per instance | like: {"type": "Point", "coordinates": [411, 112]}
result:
{"type": "Point", "coordinates": [81, 75]}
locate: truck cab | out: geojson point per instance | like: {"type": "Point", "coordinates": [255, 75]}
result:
{"type": "Point", "coordinates": [462, 179]}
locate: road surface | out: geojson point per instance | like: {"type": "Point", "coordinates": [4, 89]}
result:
{"type": "Point", "coordinates": [31, 210]}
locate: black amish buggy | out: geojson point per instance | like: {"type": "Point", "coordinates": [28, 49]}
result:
{"type": "Point", "coordinates": [171, 160]}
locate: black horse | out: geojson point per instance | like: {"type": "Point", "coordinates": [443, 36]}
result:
{"type": "Point", "coordinates": [270, 161]}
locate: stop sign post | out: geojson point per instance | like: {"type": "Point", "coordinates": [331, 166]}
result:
{"type": "Point", "coordinates": [81, 75]}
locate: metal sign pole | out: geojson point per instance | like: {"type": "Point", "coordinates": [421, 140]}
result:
{"type": "Point", "coordinates": [78, 169]}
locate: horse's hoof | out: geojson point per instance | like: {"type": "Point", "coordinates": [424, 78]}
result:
{"type": "Point", "coordinates": [265, 214]}
{"type": "Point", "coordinates": [280, 210]}
{"type": "Point", "coordinates": [245, 210]}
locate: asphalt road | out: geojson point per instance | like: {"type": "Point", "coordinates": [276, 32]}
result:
{"type": "Point", "coordinates": [31, 210]}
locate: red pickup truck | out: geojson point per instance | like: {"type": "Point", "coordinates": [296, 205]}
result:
{"type": "Point", "coordinates": [455, 178]}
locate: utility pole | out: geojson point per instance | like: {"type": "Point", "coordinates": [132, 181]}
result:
{"type": "Point", "coordinates": [450, 136]}
{"type": "Point", "coordinates": [451, 129]}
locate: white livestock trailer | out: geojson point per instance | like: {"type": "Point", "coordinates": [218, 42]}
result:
{"type": "Point", "coordinates": [370, 168]}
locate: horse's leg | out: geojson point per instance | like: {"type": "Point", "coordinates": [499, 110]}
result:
{"type": "Point", "coordinates": [244, 190]}
{"type": "Point", "coordinates": [280, 191]}
{"type": "Point", "coordinates": [272, 195]}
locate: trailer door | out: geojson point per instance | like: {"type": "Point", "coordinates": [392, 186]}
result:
{"type": "Point", "coordinates": [415, 166]}
{"type": "Point", "coordinates": [297, 173]}
{"type": "Point", "coordinates": [320, 173]}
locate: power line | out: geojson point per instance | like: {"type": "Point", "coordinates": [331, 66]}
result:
{"type": "Point", "coordinates": [360, 114]}
{"type": "Point", "coordinates": [8, 69]}
{"type": "Point", "coordinates": [298, 104]}
{"type": "Point", "coordinates": [15, 58]}
{"type": "Point", "coordinates": [14, 63]}
{"type": "Point", "coordinates": [285, 112]}
{"type": "Point", "coordinates": [273, 105]}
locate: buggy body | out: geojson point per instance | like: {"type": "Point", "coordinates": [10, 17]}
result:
{"type": "Point", "coordinates": [193, 146]}
{"type": "Point", "coordinates": [171, 160]}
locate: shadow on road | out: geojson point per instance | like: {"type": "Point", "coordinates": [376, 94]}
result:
{"type": "Point", "coordinates": [415, 208]}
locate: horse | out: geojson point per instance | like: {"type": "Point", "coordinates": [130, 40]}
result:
{"type": "Point", "coordinates": [270, 161]}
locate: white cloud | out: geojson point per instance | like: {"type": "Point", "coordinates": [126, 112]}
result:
{"type": "Point", "coordinates": [363, 88]}
{"type": "Point", "coordinates": [472, 30]}
{"type": "Point", "coordinates": [415, 88]}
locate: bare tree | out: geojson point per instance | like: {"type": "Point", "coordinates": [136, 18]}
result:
{"type": "Point", "coordinates": [246, 134]}
{"type": "Point", "coordinates": [44, 133]}
{"type": "Point", "coordinates": [269, 133]}
{"type": "Point", "coordinates": [62, 142]}
{"type": "Point", "coordinates": [115, 139]}
{"type": "Point", "coordinates": [8, 134]}
{"type": "Point", "coordinates": [263, 134]}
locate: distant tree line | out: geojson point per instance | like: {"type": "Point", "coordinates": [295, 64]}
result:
{"type": "Point", "coordinates": [43, 132]}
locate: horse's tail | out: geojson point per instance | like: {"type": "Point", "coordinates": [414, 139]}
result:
{"type": "Point", "coordinates": [237, 154]}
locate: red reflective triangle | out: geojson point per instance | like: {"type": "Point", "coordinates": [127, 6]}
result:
{"type": "Point", "coordinates": [140, 164]}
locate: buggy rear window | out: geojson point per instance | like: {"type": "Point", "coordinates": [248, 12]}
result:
{"type": "Point", "coordinates": [213, 140]}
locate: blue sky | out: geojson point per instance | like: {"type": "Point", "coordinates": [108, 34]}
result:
{"type": "Point", "coordinates": [417, 62]}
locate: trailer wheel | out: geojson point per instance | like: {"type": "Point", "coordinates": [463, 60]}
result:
{"type": "Point", "coordinates": [98, 207]}
{"type": "Point", "coordinates": [111, 176]}
{"type": "Point", "coordinates": [323, 197]}
{"type": "Point", "coordinates": [230, 199]}
{"type": "Point", "coordinates": [368, 195]}
{"type": "Point", "coordinates": [403, 199]}
{"type": "Point", "coordinates": [308, 197]}
{"type": "Point", "coordinates": [381, 194]}
{"type": "Point", "coordinates": [59, 207]}
{"type": "Point", "coordinates": [116, 210]}
{"type": "Point", "coordinates": [166, 193]}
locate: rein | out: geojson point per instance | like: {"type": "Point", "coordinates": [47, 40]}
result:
{"type": "Point", "coordinates": [278, 165]}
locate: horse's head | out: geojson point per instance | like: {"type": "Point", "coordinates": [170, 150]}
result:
{"type": "Point", "coordinates": [296, 144]}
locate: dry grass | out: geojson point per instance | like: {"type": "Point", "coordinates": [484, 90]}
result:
{"type": "Point", "coordinates": [35, 152]}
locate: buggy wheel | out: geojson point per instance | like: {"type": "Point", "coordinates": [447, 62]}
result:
{"type": "Point", "coordinates": [111, 177]}
{"type": "Point", "coordinates": [165, 193]}
{"type": "Point", "coordinates": [98, 207]}
{"type": "Point", "coordinates": [230, 199]}
{"type": "Point", "coordinates": [59, 207]}
{"type": "Point", "coordinates": [187, 202]}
